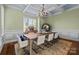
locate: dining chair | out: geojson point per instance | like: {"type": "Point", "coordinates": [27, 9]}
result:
{"type": "Point", "coordinates": [22, 42]}
{"type": "Point", "coordinates": [48, 42]}
{"type": "Point", "coordinates": [50, 37]}
{"type": "Point", "coordinates": [38, 42]}
{"type": "Point", "coordinates": [56, 37]}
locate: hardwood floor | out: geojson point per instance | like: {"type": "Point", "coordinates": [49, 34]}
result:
{"type": "Point", "coordinates": [74, 49]}
{"type": "Point", "coordinates": [9, 49]}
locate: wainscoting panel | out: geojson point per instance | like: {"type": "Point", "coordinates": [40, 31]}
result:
{"type": "Point", "coordinates": [68, 34]}
{"type": "Point", "coordinates": [11, 36]}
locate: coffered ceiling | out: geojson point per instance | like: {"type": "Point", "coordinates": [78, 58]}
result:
{"type": "Point", "coordinates": [52, 9]}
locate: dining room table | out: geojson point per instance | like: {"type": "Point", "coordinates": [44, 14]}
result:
{"type": "Point", "coordinates": [32, 36]}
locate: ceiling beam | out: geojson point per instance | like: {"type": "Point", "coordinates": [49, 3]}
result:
{"type": "Point", "coordinates": [27, 6]}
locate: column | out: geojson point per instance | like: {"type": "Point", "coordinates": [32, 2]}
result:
{"type": "Point", "coordinates": [38, 24]}
{"type": "Point", "coordinates": [2, 19]}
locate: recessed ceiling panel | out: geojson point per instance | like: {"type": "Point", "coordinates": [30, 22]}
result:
{"type": "Point", "coordinates": [68, 6]}
{"type": "Point", "coordinates": [34, 9]}
{"type": "Point", "coordinates": [17, 6]}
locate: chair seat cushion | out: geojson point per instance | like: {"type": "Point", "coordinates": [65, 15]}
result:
{"type": "Point", "coordinates": [23, 38]}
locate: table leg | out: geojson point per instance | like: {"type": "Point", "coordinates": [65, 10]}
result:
{"type": "Point", "coordinates": [30, 47]}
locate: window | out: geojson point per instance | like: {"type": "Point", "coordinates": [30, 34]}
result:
{"type": "Point", "coordinates": [29, 22]}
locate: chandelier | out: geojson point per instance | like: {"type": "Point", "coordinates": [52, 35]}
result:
{"type": "Point", "coordinates": [43, 12]}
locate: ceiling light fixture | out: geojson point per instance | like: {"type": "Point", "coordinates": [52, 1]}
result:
{"type": "Point", "coordinates": [43, 12]}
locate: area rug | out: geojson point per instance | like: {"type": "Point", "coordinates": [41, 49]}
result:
{"type": "Point", "coordinates": [62, 47]}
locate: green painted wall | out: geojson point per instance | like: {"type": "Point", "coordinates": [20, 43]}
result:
{"type": "Point", "coordinates": [42, 21]}
{"type": "Point", "coordinates": [13, 20]}
{"type": "Point", "coordinates": [66, 20]}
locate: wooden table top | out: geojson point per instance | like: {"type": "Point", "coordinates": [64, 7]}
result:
{"type": "Point", "coordinates": [33, 35]}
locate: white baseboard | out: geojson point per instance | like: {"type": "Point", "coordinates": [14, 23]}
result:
{"type": "Point", "coordinates": [9, 41]}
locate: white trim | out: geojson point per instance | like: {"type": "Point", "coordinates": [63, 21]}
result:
{"type": "Point", "coordinates": [2, 19]}
{"type": "Point", "coordinates": [9, 41]}
{"type": "Point", "coordinates": [71, 34]}
{"type": "Point", "coordinates": [27, 6]}
{"type": "Point", "coordinates": [38, 24]}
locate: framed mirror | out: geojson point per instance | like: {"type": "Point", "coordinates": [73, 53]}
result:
{"type": "Point", "coordinates": [46, 27]}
